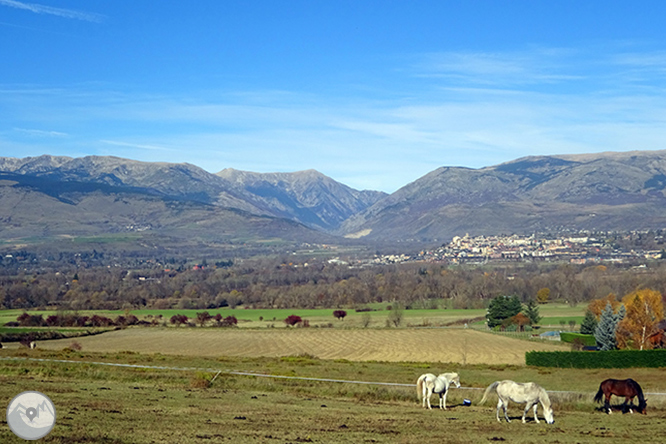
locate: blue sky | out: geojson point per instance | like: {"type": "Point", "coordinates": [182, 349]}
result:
{"type": "Point", "coordinates": [374, 94]}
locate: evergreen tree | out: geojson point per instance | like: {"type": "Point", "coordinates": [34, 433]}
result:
{"type": "Point", "coordinates": [532, 312]}
{"type": "Point", "coordinates": [589, 323]}
{"type": "Point", "coordinates": [501, 308]}
{"type": "Point", "coordinates": [607, 327]}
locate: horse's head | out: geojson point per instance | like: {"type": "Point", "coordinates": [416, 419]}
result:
{"type": "Point", "coordinates": [548, 414]}
{"type": "Point", "coordinates": [456, 380]}
{"type": "Point", "coordinates": [642, 407]}
{"type": "Point", "coordinates": [452, 378]}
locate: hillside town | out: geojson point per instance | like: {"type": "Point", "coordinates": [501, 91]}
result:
{"type": "Point", "coordinates": [578, 248]}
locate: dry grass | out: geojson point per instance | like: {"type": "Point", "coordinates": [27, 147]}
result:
{"type": "Point", "coordinates": [116, 405]}
{"type": "Point", "coordinates": [464, 346]}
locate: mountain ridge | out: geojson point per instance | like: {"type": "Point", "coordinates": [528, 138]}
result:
{"type": "Point", "coordinates": [58, 195]}
{"type": "Point", "coordinates": [533, 193]}
{"type": "Point", "coordinates": [186, 182]}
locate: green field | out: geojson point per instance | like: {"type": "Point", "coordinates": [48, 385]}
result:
{"type": "Point", "coordinates": [119, 405]}
{"type": "Point", "coordinates": [258, 318]}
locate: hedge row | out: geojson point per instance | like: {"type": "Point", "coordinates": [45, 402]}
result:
{"type": "Point", "coordinates": [43, 335]}
{"type": "Point", "coordinates": [598, 359]}
{"type": "Point", "coordinates": [572, 337]}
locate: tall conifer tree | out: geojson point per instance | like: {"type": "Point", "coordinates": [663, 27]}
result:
{"type": "Point", "coordinates": [532, 312]}
{"type": "Point", "coordinates": [607, 327]}
{"type": "Point", "coordinates": [589, 323]}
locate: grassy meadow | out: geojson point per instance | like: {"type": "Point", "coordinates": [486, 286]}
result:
{"type": "Point", "coordinates": [552, 315]}
{"type": "Point", "coordinates": [118, 405]}
{"type": "Point", "coordinates": [122, 405]}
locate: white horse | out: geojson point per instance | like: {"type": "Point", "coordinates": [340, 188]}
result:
{"type": "Point", "coordinates": [529, 394]}
{"type": "Point", "coordinates": [428, 384]}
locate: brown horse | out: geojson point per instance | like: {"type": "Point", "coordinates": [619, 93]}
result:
{"type": "Point", "coordinates": [628, 388]}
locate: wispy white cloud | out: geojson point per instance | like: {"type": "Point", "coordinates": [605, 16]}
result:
{"type": "Point", "coordinates": [50, 10]}
{"type": "Point", "coordinates": [40, 133]}
{"type": "Point", "coordinates": [363, 142]}
{"type": "Point", "coordinates": [500, 68]}
{"type": "Point", "coordinates": [136, 145]}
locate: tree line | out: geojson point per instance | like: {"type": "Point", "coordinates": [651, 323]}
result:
{"type": "Point", "coordinates": [288, 283]}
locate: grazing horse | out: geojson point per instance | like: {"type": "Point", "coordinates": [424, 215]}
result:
{"type": "Point", "coordinates": [530, 394]}
{"type": "Point", "coordinates": [621, 387]}
{"type": "Point", "coordinates": [428, 384]}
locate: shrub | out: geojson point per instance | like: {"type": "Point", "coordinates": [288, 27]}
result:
{"type": "Point", "coordinates": [27, 320]}
{"type": "Point", "coordinates": [363, 309]}
{"type": "Point", "coordinates": [201, 380]}
{"type": "Point", "coordinates": [395, 317]}
{"type": "Point", "coordinates": [340, 314]}
{"type": "Point", "coordinates": [178, 319]}
{"type": "Point", "coordinates": [293, 320]}
{"type": "Point", "coordinates": [203, 317]}
{"type": "Point", "coordinates": [229, 321]}
{"type": "Point", "coordinates": [100, 321]}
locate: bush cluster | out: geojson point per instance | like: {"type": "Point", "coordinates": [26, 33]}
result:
{"type": "Point", "coordinates": [598, 359]}
{"type": "Point", "coordinates": [73, 320]}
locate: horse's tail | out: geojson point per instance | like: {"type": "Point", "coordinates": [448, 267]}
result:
{"type": "Point", "coordinates": [600, 394]}
{"type": "Point", "coordinates": [490, 388]}
{"type": "Point", "coordinates": [419, 386]}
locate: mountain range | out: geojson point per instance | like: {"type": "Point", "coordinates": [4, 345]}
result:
{"type": "Point", "coordinates": [51, 196]}
{"type": "Point", "coordinates": [606, 191]}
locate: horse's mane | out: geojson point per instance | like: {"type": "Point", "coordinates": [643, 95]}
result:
{"type": "Point", "coordinates": [639, 390]}
{"type": "Point", "coordinates": [543, 396]}
{"type": "Point", "coordinates": [449, 376]}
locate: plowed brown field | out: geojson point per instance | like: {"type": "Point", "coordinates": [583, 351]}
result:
{"type": "Point", "coordinates": [464, 346]}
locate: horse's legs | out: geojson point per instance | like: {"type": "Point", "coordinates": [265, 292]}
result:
{"type": "Point", "coordinates": [607, 404]}
{"type": "Point", "coordinates": [536, 418]}
{"type": "Point", "coordinates": [503, 404]}
{"type": "Point", "coordinates": [428, 397]}
{"type": "Point", "coordinates": [506, 414]}
{"type": "Point", "coordinates": [628, 402]}
{"type": "Point", "coordinates": [528, 406]}
{"type": "Point", "coordinates": [442, 400]}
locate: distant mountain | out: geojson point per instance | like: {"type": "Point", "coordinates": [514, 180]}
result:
{"type": "Point", "coordinates": [49, 195]}
{"type": "Point", "coordinates": [307, 196]}
{"type": "Point", "coordinates": [607, 191]}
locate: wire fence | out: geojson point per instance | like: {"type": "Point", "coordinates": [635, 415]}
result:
{"type": "Point", "coordinates": [217, 371]}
